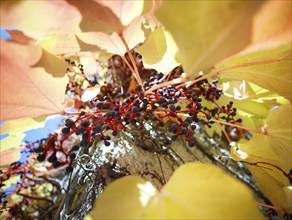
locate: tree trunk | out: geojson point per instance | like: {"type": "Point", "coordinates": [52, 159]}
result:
{"type": "Point", "coordinates": [143, 150]}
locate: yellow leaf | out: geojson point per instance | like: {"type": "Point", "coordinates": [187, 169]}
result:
{"type": "Point", "coordinates": [158, 52]}
{"type": "Point", "coordinates": [249, 106]}
{"type": "Point", "coordinates": [279, 133]}
{"type": "Point", "coordinates": [202, 191]}
{"type": "Point", "coordinates": [126, 196]}
{"type": "Point", "coordinates": [154, 48]}
{"type": "Point", "coordinates": [270, 69]}
{"type": "Point", "coordinates": [207, 31]}
{"type": "Point", "coordinates": [195, 191]}
{"type": "Point", "coordinates": [21, 125]}
{"type": "Point", "coordinates": [12, 141]}
{"type": "Point", "coordinates": [60, 44]}
{"type": "Point", "coordinates": [270, 179]}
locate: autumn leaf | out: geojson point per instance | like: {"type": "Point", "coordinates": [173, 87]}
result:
{"type": "Point", "coordinates": [206, 32]}
{"type": "Point", "coordinates": [39, 19]}
{"type": "Point", "coordinates": [273, 22]}
{"type": "Point", "coordinates": [270, 69]}
{"type": "Point", "coordinates": [195, 191]}
{"type": "Point", "coordinates": [19, 37]}
{"type": "Point", "coordinates": [269, 153]}
{"type": "Point", "coordinates": [34, 80]}
{"type": "Point", "coordinates": [126, 11]}
{"type": "Point", "coordinates": [97, 17]}
{"type": "Point", "coordinates": [115, 43]}
{"type": "Point", "coordinates": [158, 52]}
{"type": "Point", "coordinates": [279, 133]}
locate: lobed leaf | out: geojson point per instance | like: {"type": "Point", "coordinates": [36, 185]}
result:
{"type": "Point", "coordinates": [195, 191]}
{"type": "Point", "coordinates": [34, 79]}
{"type": "Point", "coordinates": [158, 52]}
{"type": "Point", "coordinates": [127, 196]}
{"type": "Point", "coordinates": [207, 32]}
{"type": "Point", "coordinates": [270, 69]}
{"type": "Point", "coordinates": [269, 152]}
{"type": "Point", "coordinates": [279, 133]}
{"type": "Point", "coordinates": [113, 43]}
{"type": "Point", "coordinates": [126, 11]}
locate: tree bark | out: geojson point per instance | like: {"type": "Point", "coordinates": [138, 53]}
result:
{"type": "Point", "coordinates": [143, 150]}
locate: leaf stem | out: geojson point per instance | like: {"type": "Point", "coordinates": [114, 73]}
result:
{"type": "Point", "coordinates": [135, 72]}
{"type": "Point", "coordinates": [239, 126]}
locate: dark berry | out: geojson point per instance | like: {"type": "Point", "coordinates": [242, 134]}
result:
{"type": "Point", "coordinates": [39, 149]}
{"type": "Point", "coordinates": [184, 131]}
{"type": "Point", "coordinates": [85, 124]}
{"type": "Point", "coordinates": [106, 143]}
{"type": "Point", "coordinates": [174, 138]}
{"type": "Point", "coordinates": [75, 148]}
{"type": "Point", "coordinates": [172, 107]}
{"type": "Point", "coordinates": [138, 87]}
{"type": "Point", "coordinates": [69, 169]}
{"type": "Point", "coordinates": [41, 157]}
{"type": "Point", "coordinates": [65, 130]}
{"type": "Point", "coordinates": [57, 164]}
{"type": "Point", "coordinates": [106, 105]}
{"type": "Point", "coordinates": [80, 131]}
{"type": "Point", "coordinates": [84, 143]}
{"type": "Point", "coordinates": [69, 123]}
{"type": "Point", "coordinates": [72, 156]}
{"type": "Point", "coordinates": [52, 158]}
{"type": "Point", "coordinates": [191, 143]}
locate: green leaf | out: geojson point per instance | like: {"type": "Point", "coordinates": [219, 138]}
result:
{"type": "Point", "coordinates": [270, 69]}
{"type": "Point", "coordinates": [207, 31]}
{"type": "Point", "coordinates": [195, 191]}
{"type": "Point", "coordinates": [158, 52]}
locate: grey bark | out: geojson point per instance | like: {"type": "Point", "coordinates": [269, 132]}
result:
{"type": "Point", "coordinates": [143, 150]}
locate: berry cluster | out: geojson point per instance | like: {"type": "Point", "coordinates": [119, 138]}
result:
{"type": "Point", "coordinates": [178, 107]}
